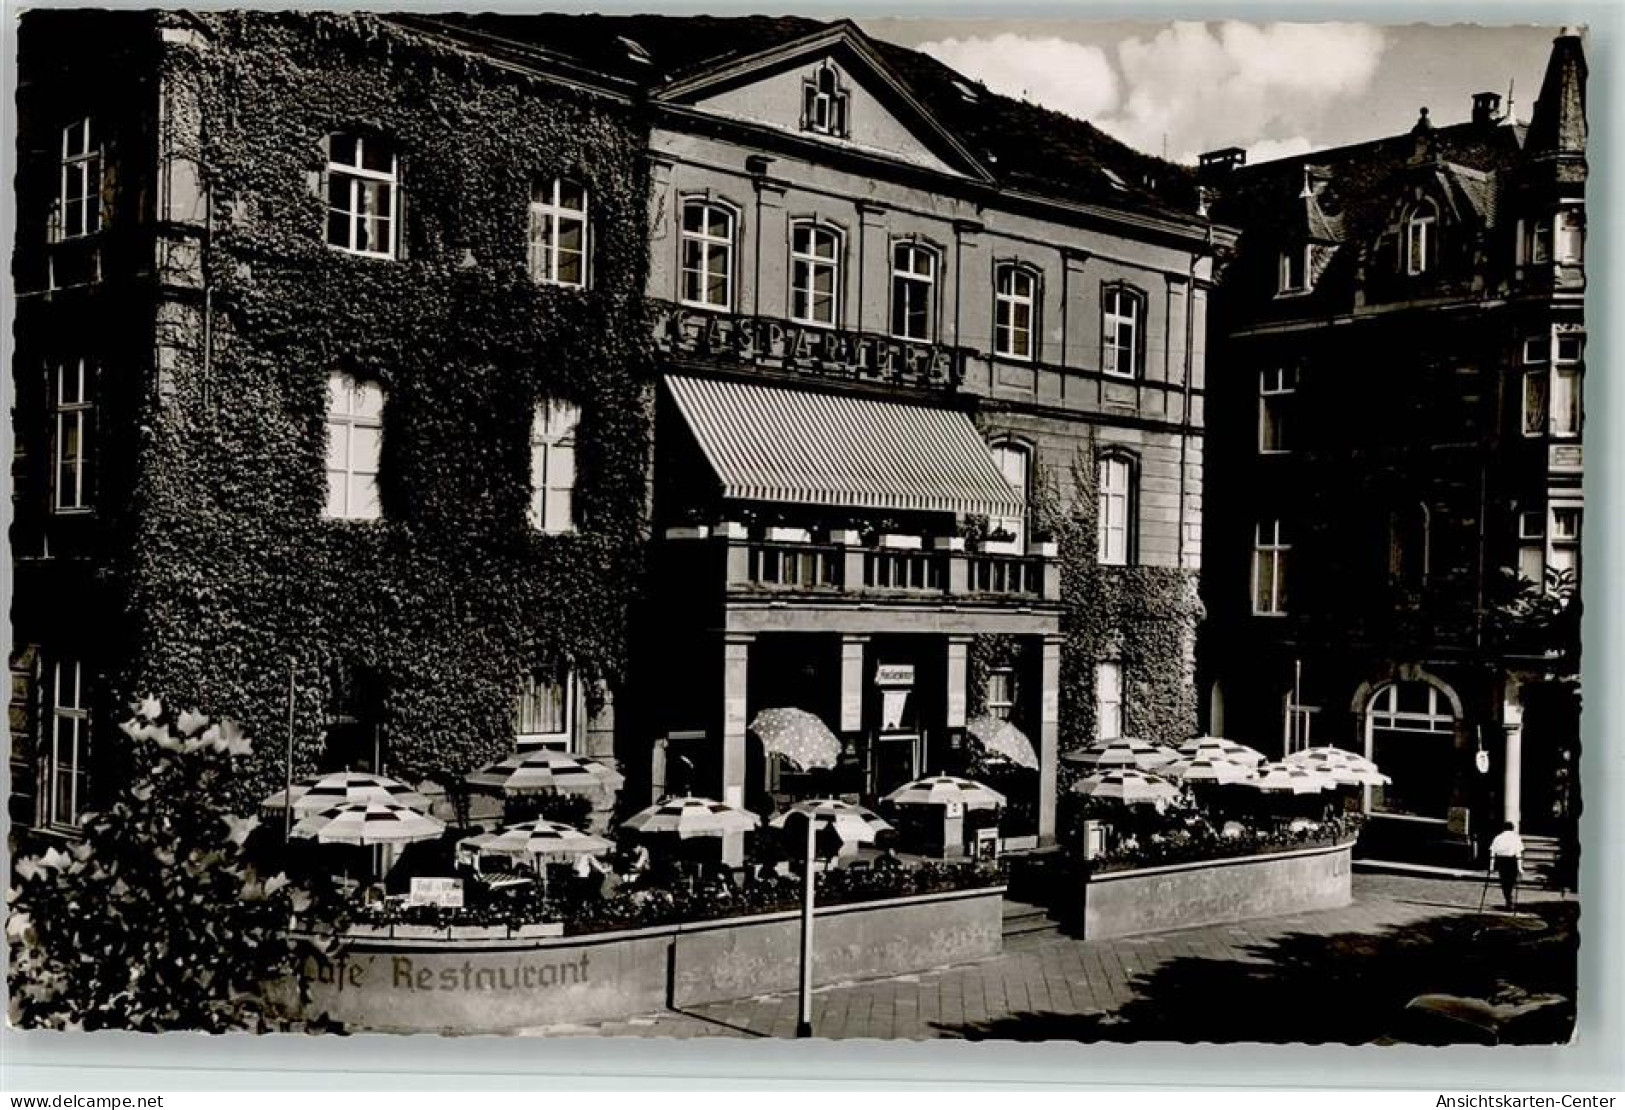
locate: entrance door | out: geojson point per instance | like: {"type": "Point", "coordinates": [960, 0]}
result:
{"type": "Point", "coordinates": [896, 760]}
{"type": "Point", "coordinates": [1411, 735]}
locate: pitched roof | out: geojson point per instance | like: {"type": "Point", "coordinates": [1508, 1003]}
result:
{"type": "Point", "coordinates": [1025, 147]}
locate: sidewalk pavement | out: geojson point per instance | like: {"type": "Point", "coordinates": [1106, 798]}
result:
{"type": "Point", "coordinates": [1403, 935]}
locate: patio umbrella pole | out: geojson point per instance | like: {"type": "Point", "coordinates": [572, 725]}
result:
{"type": "Point", "coordinates": [804, 1024]}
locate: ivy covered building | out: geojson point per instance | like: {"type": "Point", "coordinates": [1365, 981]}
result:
{"type": "Point", "coordinates": [1395, 485]}
{"type": "Point", "coordinates": [452, 383]}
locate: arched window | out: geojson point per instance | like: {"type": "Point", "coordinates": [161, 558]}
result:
{"type": "Point", "coordinates": [815, 273]}
{"type": "Point", "coordinates": [355, 432]}
{"type": "Point", "coordinates": [913, 290]}
{"type": "Point", "coordinates": [1421, 238]}
{"type": "Point", "coordinates": [824, 102]}
{"type": "Point", "coordinates": [1411, 737]}
{"type": "Point", "coordinates": [1015, 462]}
{"type": "Point", "coordinates": [1015, 308]}
{"type": "Point", "coordinates": [1117, 510]}
{"type": "Point", "coordinates": [1122, 330]}
{"type": "Point", "coordinates": [558, 233]}
{"type": "Point", "coordinates": [363, 195]}
{"type": "Point", "coordinates": [708, 254]}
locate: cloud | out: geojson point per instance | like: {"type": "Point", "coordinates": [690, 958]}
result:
{"type": "Point", "coordinates": [1197, 86]}
{"type": "Point", "coordinates": [1268, 150]}
{"type": "Point", "coordinates": [1191, 86]}
{"type": "Point", "coordinates": [1070, 77]}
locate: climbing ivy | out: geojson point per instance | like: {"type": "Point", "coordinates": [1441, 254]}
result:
{"type": "Point", "coordinates": [244, 591]}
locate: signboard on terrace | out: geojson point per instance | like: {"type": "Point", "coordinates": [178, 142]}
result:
{"type": "Point", "coordinates": [804, 349]}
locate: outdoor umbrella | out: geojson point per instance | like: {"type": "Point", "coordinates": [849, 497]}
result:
{"type": "Point", "coordinates": [797, 735]}
{"type": "Point", "coordinates": [690, 817]}
{"type": "Point", "coordinates": [1328, 756]}
{"type": "Point", "coordinates": [1291, 778]}
{"type": "Point", "coordinates": [1140, 755]}
{"type": "Point", "coordinates": [544, 840]}
{"type": "Point", "coordinates": [318, 792]}
{"type": "Point", "coordinates": [1205, 771]}
{"type": "Point", "coordinates": [543, 770]}
{"type": "Point", "coordinates": [1126, 785]}
{"type": "Point", "coordinates": [1217, 747]}
{"type": "Point", "coordinates": [1004, 738]}
{"type": "Point", "coordinates": [369, 823]}
{"type": "Point", "coordinates": [941, 790]}
{"type": "Point", "coordinates": [852, 823]}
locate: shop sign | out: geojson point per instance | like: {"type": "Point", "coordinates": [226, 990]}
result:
{"type": "Point", "coordinates": [894, 674]}
{"type": "Point", "coordinates": [822, 352]}
{"type": "Point", "coordinates": [428, 891]}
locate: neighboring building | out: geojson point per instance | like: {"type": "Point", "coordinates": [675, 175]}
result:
{"type": "Point", "coordinates": [1395, 495]}
{"type": "Point", "coordinates": [881, 302]}
{"type": "Point", "coordinates": [310, 332]}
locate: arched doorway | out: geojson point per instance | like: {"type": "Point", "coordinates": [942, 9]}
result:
{"type": "Point", "coordinates": [1410, 733]}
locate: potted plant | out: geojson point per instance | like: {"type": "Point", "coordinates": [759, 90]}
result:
{"type": "Point", "coordinates": [892, 536]}
{"type": "Point", "coordinates": [688, 526]}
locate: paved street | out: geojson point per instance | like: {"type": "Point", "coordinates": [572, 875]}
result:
{"type": "Point", "coordinates": [1336, 975]}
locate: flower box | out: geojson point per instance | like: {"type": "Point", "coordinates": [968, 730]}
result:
{"type": "Point", "coordinates": [688, 532]}
{"type": "Point", "coordinates": [361, 929]}
{"type": "Point", "coordinates": [729, 530]}
{"type": "Point", "coordinates": [901, 543]}
{"type": "Point", "coordinates": [847, 537]}
{"type": "Point", "coordinates": [948, 543]}
{"type": "Point", "coordinates": [788, 535]}
{"type": "Point", "coordinates": [479, 932]}
{"type": "Point", "coordinates": [533, 929]}
{"type": "Point", "coordinates": [421, 932]}
{"type": "Point", "coordinates": [1046, 549]}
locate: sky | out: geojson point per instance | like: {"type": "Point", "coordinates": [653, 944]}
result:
{"type": "Point", "coordinates": [1275, 89]}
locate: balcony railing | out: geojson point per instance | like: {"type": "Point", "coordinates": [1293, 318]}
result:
{"type": "Point", "coordinates": [845, 567]}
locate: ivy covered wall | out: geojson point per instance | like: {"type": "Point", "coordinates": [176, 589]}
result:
{"type": "Point", "coordinates": [241, 586]}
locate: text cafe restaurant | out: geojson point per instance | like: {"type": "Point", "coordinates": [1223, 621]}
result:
{"type": "Point", "coordinates": [810, 486]}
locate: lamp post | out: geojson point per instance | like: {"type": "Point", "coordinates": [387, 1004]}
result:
{"type": "Point", "coordinates": [804, 1020]}
{"type": "Point", "coordinates": [287, 796]}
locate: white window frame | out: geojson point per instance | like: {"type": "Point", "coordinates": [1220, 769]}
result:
{"type": "Point", "coordinates": [1003, 708]}
{"type": "Point", "coordinates": [553, 431]}
{"type": "Point", "coordinates": [1540, 240]}
{"type": "Point", "coordinates": [1421, 242]}
{"type": "Point", "coordinates": [1299, 255]}
{"type": "Point", "coordinates": [826, 110]}
{"type": "Point", "coordinates": [1109, 699]}
{"type": "Point", "coordinates": [1015, 290]}
{"type": "Point", "coordinates": [1011, 455]}
{"type": "Point", "coordinates": [1269, 545]}
{"type": "Point", "coordinates": [1534, 399]}
{"type": "Point", "coordinates": [909, 282]}
{"type": "Point", "coordinates": [1276, 385]}
{"type": "Point", "coordinates": [1563, 399]}
{"type": "Point", "coordinates": [1122, 310]}
{"type": "Point", "coordinates": [362, 185]}
{"type": "Point", "coordinates": [1115, 482]}
{"type": "Point", "coordinates": [1297, 724]}
{"type": "Point", "coordinates": [73, 413]}
{"type": "Point", "coordinates": [549, 218]}
{"type": "Point", "coordinates": [564, 740]}
{"type": "Point", "coordinates": [1569, 237]}
{"type": "Point", "coordinates": [1438, 719]}
{"type": "Point", "coordinates": [350, 409]}
{"type": "Point", "coordinates": [1563, 538]}
{"type": "Point", "coordinates": [80, 183]}
{"type": "Point", "coordinates": [807, 264]}
{"type": "Point", "coordinates": [73, 715]}
{"type": "Point", "coordinates": [706, 247]}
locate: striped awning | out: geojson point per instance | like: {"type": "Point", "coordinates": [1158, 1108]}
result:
{"type": "Point", "coordinates": [771, 443]}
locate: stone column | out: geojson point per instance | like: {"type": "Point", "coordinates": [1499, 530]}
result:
{"type": "Point", "coordinates": [957, 680]}
{"type": "Point", "coordinates": [852, 684]}
{"type": "Point", "coordinates": [735, 678]}
{"type": "Point", "coordinates": [1049, 735]}
{"type": "Point", "coordinates": [1512, 755]}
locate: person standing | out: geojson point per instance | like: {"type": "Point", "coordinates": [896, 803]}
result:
{"type": "Point", "coordinates": [1506, 860]}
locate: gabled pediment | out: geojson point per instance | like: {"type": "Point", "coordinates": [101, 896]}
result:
{"type": "Point", "coordinates": [830, 87]}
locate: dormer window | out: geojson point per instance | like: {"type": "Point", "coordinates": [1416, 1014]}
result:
{"type": "Point", "coordinates": [824, 102]}
{"type": "Point", "coordinates": [1294, 268]}
{"type": "Point", "coordinates": [1421, 239]}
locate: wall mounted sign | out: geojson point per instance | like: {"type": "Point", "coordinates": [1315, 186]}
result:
{"type": "Point", "coordinates": [821, 352]}
{"type": "Point", "coordinates": [894, 674]}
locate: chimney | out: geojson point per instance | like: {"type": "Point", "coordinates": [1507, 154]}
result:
{"type": "Point", "coordinates": [1216, 164]}
{"type": "Point", "coordinates": [1486, 108]}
